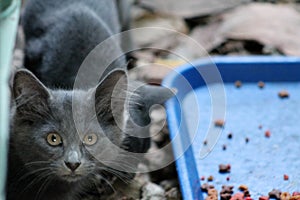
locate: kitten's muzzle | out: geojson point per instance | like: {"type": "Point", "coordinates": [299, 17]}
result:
{"type": "Point", "coordinates": [72, 165]}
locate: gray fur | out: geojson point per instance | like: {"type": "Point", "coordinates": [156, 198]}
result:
{"type": "Point", "coordinates": [59, 34]}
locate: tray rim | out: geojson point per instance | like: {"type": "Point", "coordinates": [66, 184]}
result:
{"type": "Point", "coordinates": [183, 164]}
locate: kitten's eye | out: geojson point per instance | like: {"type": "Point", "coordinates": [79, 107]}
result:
{"type": "Point", "coordinates": [54, 139]}
{"type": "Point", "coordinates": [90, 139]}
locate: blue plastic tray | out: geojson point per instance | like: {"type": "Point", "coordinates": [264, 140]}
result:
{"type": "Point", "coordinates": [206, 92]}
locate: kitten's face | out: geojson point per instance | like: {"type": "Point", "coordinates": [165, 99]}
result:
{"type": "Point", "coordinates": [72, 151]}
{"type": "Point", "coordinates": [75, 135]}
{"type": "Point", "coordinates": [68, 134]}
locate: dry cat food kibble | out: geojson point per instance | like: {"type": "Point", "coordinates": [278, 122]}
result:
{"type": "Point", "coordinates": [238, 84]}
{"type": "Point", "coordinates": [219, 123]}
{"type": "Point", "coordinates": [212, 194]}
{"type": "Point", "coordinates": [285, 196]}
{"type": "Point", "coordinates": [247, 139]}
{"type": "Point", "coordinates": [261, 84]}
{"type": "Point", "coordinates": [243, 187]}
{"type": "Point", "coordinates": [229, 136]}
{"type": "Point", "coordinates": [283, 94]}
{"type": "Point", "coordinates": [268, 134]}
{"type": "Point", "coordinates": [247, 193]}
{"type": "Point", "coordinates": [285, 177]}
{"type": "Point", "coordinates": [205, 187]}
{"type": "Point", "coordinates": [202, 178]}
{"type": "Point", "coordinates": [210, 178]}
{"type": "Point", "coordinates": [237, 196]}
{"type": "Point", "coordinates": [224, 147]}
{"type": "Point", "coordinates": [275, 194]}
{"type": "Point", "coordinates": [226, 192]}
{"type": "Point", "coordinates": [263, 198]}
{"type": "Point", "coordinates": [224, 168]}
{"type": "Point", "coordinates": [297, 197]}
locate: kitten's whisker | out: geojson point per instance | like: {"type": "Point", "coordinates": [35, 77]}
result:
{"type": "Point", "coordinates": [33, 172]}
{"type": "Point", "coordinates": [44, 185]}
{"type": "Point", "coordinates": [35, 180]}
{"type": "Point", "coordinates": [37, 162]}
{"type": "Point", "coordinates": [106, 181]}
{"type": "Point", "coordinates": [119, 175]}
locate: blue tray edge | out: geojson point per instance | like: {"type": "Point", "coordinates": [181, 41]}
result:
{"type": "Point", "coordinates": [182, 164]}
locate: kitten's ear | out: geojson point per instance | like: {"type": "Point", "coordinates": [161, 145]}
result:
{"type": "Point", "coordinates": [26, 84]}
{"type": "Point", "coordinates": [110, 94]}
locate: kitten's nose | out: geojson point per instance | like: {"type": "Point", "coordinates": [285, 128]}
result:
{"type": "Point", "coordinates": [72, 165]}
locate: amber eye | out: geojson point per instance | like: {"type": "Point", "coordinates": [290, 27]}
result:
{"type": "Point", "coordinates": [54, 139]}
{"type": "Point", "coordinates": [90, 139]}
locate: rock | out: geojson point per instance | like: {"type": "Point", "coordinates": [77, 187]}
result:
{"type": "Point", "coordinates": [159, 32]}
{"type": "Point", "coordinates": [173, 194]}
{"type": "Point", "coordinates": [256, 28]}
{"type": "Point", "coordinates": [151, 191]}
{"type": "Point", "coordinates": [155, 72]}
{"type": "Point", "coordinates": [274, 26]}
{"type": "Point", "coordinates": [190, 8]}
{"type": "Point", "coordinates": [169, 184]}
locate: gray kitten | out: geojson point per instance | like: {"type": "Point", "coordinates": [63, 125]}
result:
{"type": "Point", "coordinates": [73, 143]}
{"type": "Point", "coordinates": [64, 143]}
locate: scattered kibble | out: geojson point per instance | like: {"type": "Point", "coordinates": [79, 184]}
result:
{"type": "Point", "coordinates": [285, 177]}
{"type": "Point", "coordinates": [285, 196]}
{"type": "Point", "coordinates": [224, 147]}
{"type": "Point", "coordinates": [296, 194]}
{"type": "Point", "coordinates": [213, 192]}
{"type": "Point", "coordinates": [283, 94]}
{"type": "Point", "coordinates": [261, 84]}
{"type": "Point", "coordinates": [268, 133]}
{"type": "Point", "coordinates": [275, 194]}
{"type": "Point", "coordinates": [247, 193]}
{"type": "Point", "coordinates": [205, 142]}
{"type": "Point", "coordinates": [247, 139]}
{"type": "Point", "coordinates": [225, 196]}
{"type": "Point", "coordinates": [210, 178]}
{"type": "Point", "coordinates": [238, 84]}
{"type": "Point", "coordinates": [296, 197]}
{"type": "Point", "coordinates": [202, 178]}
{"type": "Point", "coordinates": [211, 198]}
{"type": "Point", "coordinates": [229, 136]}
{"type": "Point", "coordinates": [227, 189]}
{"type": "Point", "coordinates": [205, 187]}
{"type": "Point", "coordinates": [243, 187]}
{"type": "Point", "coordinates": [224, 168]}
{"type": "Point", "coordinates": [227, 178]}
{"type": "Point", "coordinates": [263, 198]}
{"type": "Point", "coordinates": [219, 123]}
{"type": "Point", "coordinates": [226, 192]}
{"type": "Point", "coordinates": [237, 196]}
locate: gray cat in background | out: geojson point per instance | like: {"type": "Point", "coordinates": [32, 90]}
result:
{"type": "Point", "coordinates": [70, 143]}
